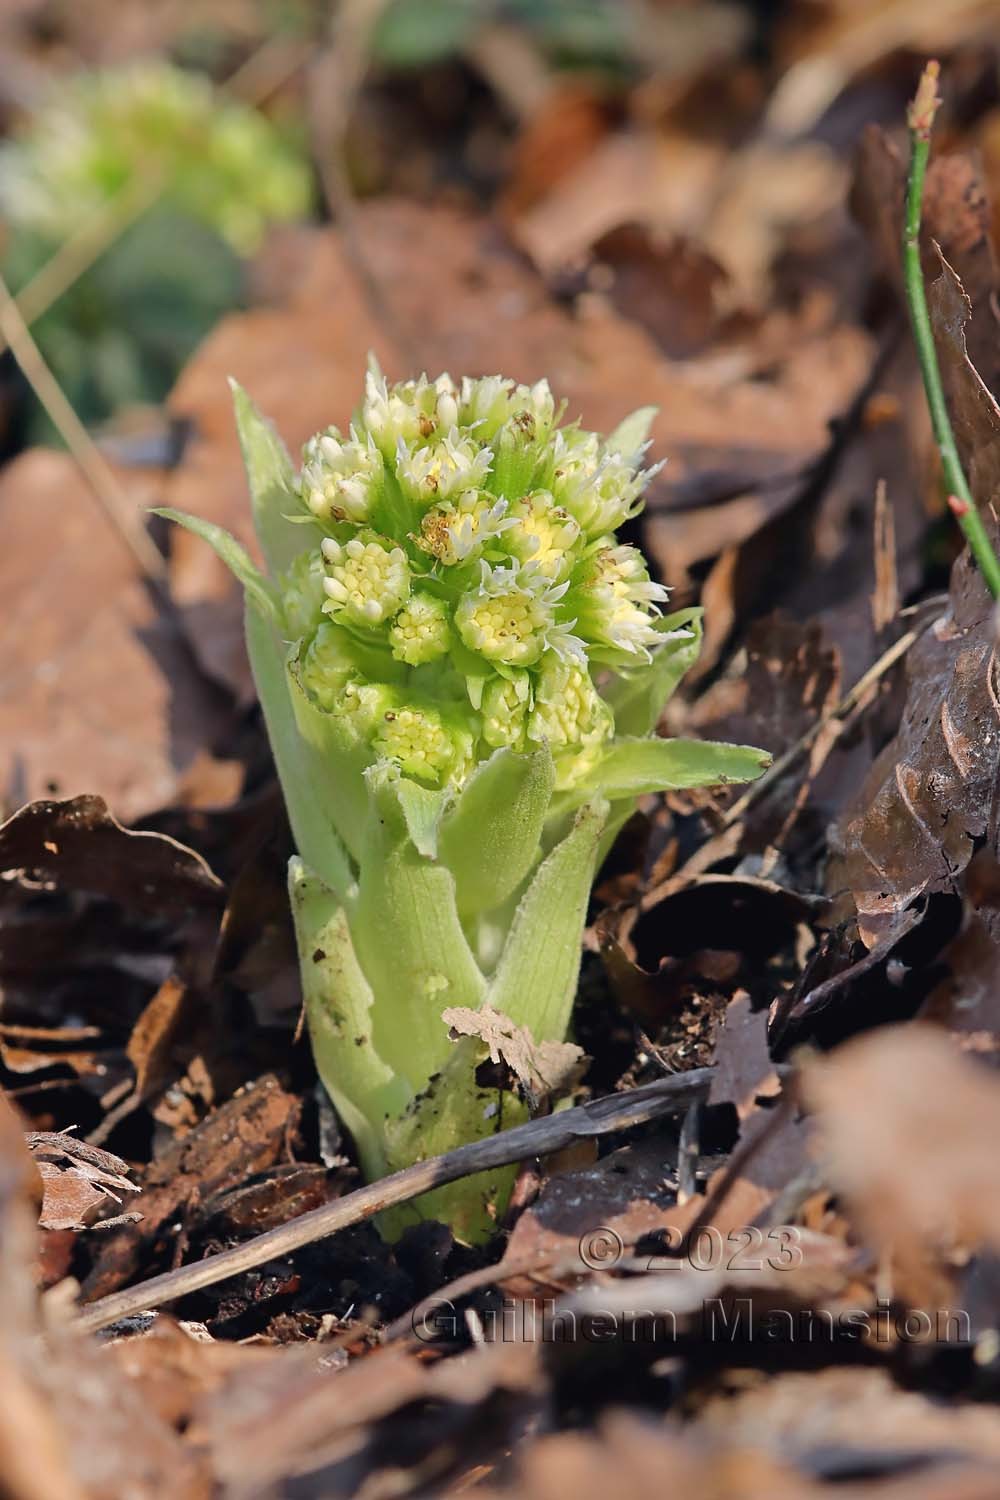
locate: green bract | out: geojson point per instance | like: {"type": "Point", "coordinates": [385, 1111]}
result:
{"type": "Point", "coordinates": [461, 669]}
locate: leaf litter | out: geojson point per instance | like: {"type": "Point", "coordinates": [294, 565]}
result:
{"type": "Point", "coordinates": [788, 1289]}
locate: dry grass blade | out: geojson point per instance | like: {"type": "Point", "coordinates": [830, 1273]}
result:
{"type": "Point", "coordinates": [123, 516]}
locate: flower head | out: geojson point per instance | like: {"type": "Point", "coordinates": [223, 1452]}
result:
{"type": "Point", "coordinates": [615, 599]}
{"type": "Point", "coordinates": [510, 616]}
{"type": "Point", "coordinates": [469, 585]}
{"type": "Point", "coordinates": [542, 533]}
{"type": "Point", "coordinates": [455, 532]}
{"type": "Point", "coordinates": [601, 489]}
{"type": "Point", "coordinates": [443, 468]}
{"type": "Point", "coordinates": [571, 717]}
{"type": "Point", "coordinates": [421, 632]}
{"type": "Point", "coordinates": [423, 744]}
{"type": "Point", "coordinates": [339, 479]}
{"type": "Point", "coordinates": [368, 581]}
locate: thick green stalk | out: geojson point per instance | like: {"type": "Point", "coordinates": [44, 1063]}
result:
{"type": "Point", "coordinates": [963, 506]}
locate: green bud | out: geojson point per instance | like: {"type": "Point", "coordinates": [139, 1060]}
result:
{"type": "Point", "coordinates": [423, 745]}
{"type": "Point", "coordinates": [505, 705]}
{"type": "Point", "coordinates": [340, 480]}
{"type": "Point", "coordinates": [303, 594]}
{"type": "Point", "coordinates": [420, 632]}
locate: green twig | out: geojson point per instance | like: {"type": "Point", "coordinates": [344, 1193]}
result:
{"type": "Point", "coordinates": [920, 118]}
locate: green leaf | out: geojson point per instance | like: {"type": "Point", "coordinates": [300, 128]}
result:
{"type": "Point", "coordinates": [237, 559]}
{"type": "Point", "coordinates": [422, 808]}
{"type": "Point", "coordinates": [272, 486]}
{"type": "Point", "coordinates": [535, 981]}
{"type": "Point", "coordinates": [631, 433]}
{"type": "Point", "coordinates": [638, 698]}
{"type": "Point", "coordinates": [408, 938]}
{"type": "Point", "coordinates": [489, 840]}
{"type": "Point", "coordinates": [416, 33]}
{"type": "Point", "coordinates": [633, 767]}
{"type": "Point", "coordinates": [310, 780]}
{"type": "Point", "coordinates": [338, 1000]}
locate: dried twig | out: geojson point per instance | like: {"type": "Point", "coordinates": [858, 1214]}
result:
{"type": "Point", "coordinates": [666, 1096]}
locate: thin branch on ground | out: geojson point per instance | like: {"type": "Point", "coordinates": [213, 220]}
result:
{"type": "Point", "coordinates": [122, 514]}
{"type": "Point", "coordinates": [920, 119]}
{"type": "Point", "coordinates": [665, 1096]}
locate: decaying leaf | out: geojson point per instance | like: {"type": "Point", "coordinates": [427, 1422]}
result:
{"type": "Point", "coordinates": [245, 1135]}
{"type": "Point", "coordinates": [78, 846]}
{"type": "Point", "coordinates": [79, 1180]}
{"type": "Point", "coordinates": [974, 413]}
{"type": "Point", "coordinates": [908, 1130]}
{"type": "Point", "coordinates": [928, 796]}
{"type": "Point", "coordinates": [97, 690]}
{"type": "Point", "coordinates": [543, 1069]}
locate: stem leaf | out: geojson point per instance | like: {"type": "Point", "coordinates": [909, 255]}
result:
{"type": "Point", "coordinates": [489, 840]}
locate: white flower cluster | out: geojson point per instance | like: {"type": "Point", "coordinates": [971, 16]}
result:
{"type": "Point", "coordinates": [469, 581]}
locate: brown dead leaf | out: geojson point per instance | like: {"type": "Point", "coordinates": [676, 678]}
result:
{"type": "Point", "coordinates": [908, 1129]}
{"type": "Point", "coordinates": [247, 1134]}
{"type": "Point", "coordinates": [974, 413]}
{"type": "Point", "coordinates": [560, 136]}
{"type": "Point", "coordinates": [827, 1420]}
{"type": "Point", "coordinates": [78, 846]}
{"type": "Point", "coordinates": [97, 691]}
{"type": "Point", "coordinates": [638, 1458]}
{"type": "Point", "coordinates": [338, 1431]}
{"type": "Point", "coordinates": [955, 214]}
{"type": "Point", "coordinates": [544, 1069]}
{"type": "Point", "coordinates": [79, 1180]}
{"type": "Point", "coordinates": [71, 1428]}
{"type": "Point", "coordinates": [663, 282]}
{"type": "Point", "coordinates": [928, 796]}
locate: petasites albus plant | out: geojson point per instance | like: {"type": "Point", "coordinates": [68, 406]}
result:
{"type": "Point", "coordinates": [461, 669]}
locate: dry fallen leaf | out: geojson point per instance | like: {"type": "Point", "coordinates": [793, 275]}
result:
{"type": "Point", "coordinates": [544, 1069]}
{"type": "Point", "coordinates": [927, 799]}
{"type": "Point", "coordinates": [78, 846]}
{"type": "Point", "coordinates": [97, 691]}
{"type": "Point", "coordinates": [79, 1180]}
{"type": "Point", "coordinates": [908, 1127]}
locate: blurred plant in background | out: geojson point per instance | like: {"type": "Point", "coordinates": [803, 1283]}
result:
{"type": "Point", "coordinates": [415, 33]}
{"type": "Point", "coordinates": [211, 175]}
